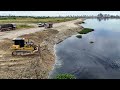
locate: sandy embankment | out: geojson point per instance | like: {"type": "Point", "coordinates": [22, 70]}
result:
{"type": "Point", "coordinates": [39, 65]}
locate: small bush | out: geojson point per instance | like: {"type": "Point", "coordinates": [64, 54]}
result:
{"type": "Point", "coordinates": [65, 76]}
{"type": "Point", "coordinates": [83, 22]}
{"type": "Point", "coordinates": [86, 30]}
{"type": "Point", "coordinates": [79, 36]}
{"type": "Point", "coordinates": [91, 42]}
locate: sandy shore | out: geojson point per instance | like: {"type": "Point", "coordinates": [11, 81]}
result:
{"type": "Point", "coordinates": [39, 65]}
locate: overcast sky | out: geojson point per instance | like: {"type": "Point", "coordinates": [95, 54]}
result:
{"type": "Point", "coordinates": [56, 13]}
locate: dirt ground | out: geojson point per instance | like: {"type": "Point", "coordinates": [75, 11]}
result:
{"type": "Point", "coordinates": [39, 65]}
{"type": "Point", "coordinates": [16, 33]}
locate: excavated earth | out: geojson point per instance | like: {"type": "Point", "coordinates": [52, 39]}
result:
{"type": "Point", "coordinates": [38, 65]}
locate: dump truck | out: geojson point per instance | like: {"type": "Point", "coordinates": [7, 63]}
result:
{"type": "Point", "coordinates": [48, 25]}
{"type": "Point", "coordinates": [7, 27]}
{"type": "Point", "coordinates": [22, 47]}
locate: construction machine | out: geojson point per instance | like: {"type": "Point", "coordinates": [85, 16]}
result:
{"type": "Point", "coordinates": [7, 27]}
{"type": "Point", "coordinates": [40, 24]}
{"type": "Point", "coordinates": [21, 47]}
{"type": "Point", "coordinates": [48, 25]}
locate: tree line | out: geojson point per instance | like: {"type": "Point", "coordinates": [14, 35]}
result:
{"type": "Point", "coordinates": [69, 16]}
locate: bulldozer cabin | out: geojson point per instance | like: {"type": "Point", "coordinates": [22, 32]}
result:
{"type": "Point", "coordinates": [22, 47]}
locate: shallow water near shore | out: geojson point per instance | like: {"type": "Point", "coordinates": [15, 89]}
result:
{"type": "Point", "coordinates": [85, 60]}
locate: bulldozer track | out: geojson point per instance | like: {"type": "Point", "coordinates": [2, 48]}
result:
{"type": "Point", "coordinates": [13, 63]}
{"type": "Point", "coordinates": [13, 60]}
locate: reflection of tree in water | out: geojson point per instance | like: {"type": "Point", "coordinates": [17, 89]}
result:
{"type": "Point", "coordinates": [100, 19]}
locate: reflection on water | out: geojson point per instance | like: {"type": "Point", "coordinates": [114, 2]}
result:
{"type": "Point", "coordinates": [106, 18]}
{"type": "Point", "coordinates": [99, 19]}
{"type": "Point", "coordinates": [86, 60]}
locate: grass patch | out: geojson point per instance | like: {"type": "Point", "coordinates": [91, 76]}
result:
{"type": "Point", "coordinates": [24, 26]}
{"type": "Point", "coordinates": [65, 76]}
{"type": "Point", "coordinates": [86, 30]}
{"type": "Point", "coordinates": [79, 36]}
{"type": "Point", "coordinates": [34, 20]}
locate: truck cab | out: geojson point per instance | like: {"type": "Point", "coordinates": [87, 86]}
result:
{"type": "Point", "coordinates": [40, 24]}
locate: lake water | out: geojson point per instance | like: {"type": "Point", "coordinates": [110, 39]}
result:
{"type": "Point", "coordinates": [85, 60]}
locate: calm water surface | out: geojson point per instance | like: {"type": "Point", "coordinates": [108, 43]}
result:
{"type": "Point", "coordinates": [85, 60]}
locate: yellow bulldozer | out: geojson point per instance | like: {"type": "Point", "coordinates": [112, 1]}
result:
{"type": "Point", "coordinates": [21, 47]}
